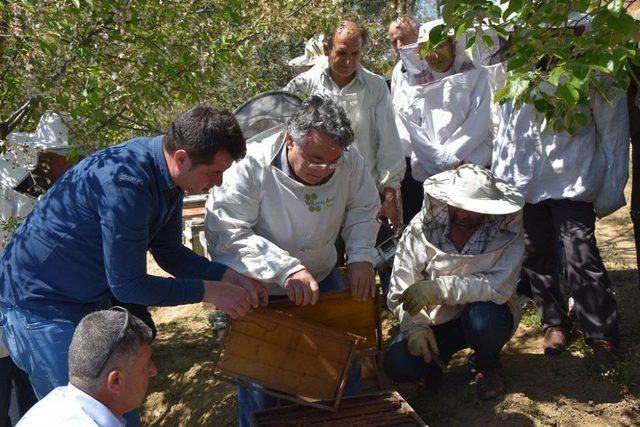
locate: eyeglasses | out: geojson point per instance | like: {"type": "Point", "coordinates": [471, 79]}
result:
{"type": "Point", "coordinates": [318, 166]}
{"type": "Point", "coordinates": [116, 343]}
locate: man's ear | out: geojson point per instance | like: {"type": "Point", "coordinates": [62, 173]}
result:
{"type": "Point", "coordinates": [115, 381]}
{"type": "Point", "coordinates": [289, 141]}
{"type": "Point", "coordinates": [180, 157]}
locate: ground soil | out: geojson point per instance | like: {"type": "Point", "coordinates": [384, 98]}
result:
{"type": "Point", "coordinates": [563, 390]}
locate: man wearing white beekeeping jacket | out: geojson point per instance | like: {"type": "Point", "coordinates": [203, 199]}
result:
{"type": "Point", "coordinates": [280, 210]}
{"type": "Point", "coordinates": [365, 98]}
{"type": "Point", "coordinates": [568, 180]}
{"type": "Point", "coordinates": [454, 278]}
{"type": "Point", "coordinates": [278, 214]}
{"type": "Point", "coordinates": [448, 118]}
{"type": "Point", "coordinates": [404, 31]}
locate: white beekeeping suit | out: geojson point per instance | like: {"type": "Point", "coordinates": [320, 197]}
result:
{"type": "Point", "coordinates": [448, 117]}
{"type": "Point", "coordinates": [588, 166]}
{"type": "Point", "coordinates": [462, 278]}
{"type": "Point", "coordinates": [449, 122]}
{"type": "Point", "coordinates": [266, 225]}
{"type": "Point", "coordinates": [497, 75]}
{"type": "Point", "coordinates": [401, 97]}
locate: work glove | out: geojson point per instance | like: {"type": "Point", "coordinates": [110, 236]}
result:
{"type": "Point", "coordinates": [422, 343]}
{"type": "Point", "coordinates": [419, 295]}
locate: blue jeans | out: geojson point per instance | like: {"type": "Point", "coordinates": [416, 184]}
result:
{"type": "Point", "coordinates": [40, 347]}
{"type": "Point", "coordinates": [484, 327]}
{"type": "Point", "coordinates": [250, 400]}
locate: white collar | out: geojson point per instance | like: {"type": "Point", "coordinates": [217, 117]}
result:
{"type": "Point", "coordinates": [93, 408]}
{"type": "Point", "coordinates": [357, 77]}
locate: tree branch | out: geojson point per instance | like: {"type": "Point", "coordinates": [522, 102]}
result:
{"type": "Point", "coordinates": [7, 126]}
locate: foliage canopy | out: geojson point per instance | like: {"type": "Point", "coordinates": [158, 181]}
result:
{"type": "Point", "coordinates": [123, 67]}
{"type": "Point", "coordinates": [555, 63]}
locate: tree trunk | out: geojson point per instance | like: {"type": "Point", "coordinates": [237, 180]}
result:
{"type": "Point", "coordinates": [405, 7]}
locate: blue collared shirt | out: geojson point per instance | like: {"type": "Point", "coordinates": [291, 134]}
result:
{"type": "Point", "coordinates": [87, 239]}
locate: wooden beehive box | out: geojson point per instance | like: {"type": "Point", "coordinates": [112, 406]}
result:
{"type": "Point", "coordinates": [338, 310]}
{"type": "Point", "coordinates": [292, 358]}
{"type": "Point", "coordinates": [384, 409]}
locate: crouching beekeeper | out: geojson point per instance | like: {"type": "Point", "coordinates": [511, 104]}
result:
{"type": "Point", "coordinates": [454, 279]}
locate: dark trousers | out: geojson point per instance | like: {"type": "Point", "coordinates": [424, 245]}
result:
{"type": "Point", "coordinates": [12, 377]}
{"type": "Point", "coordinates": [484, 327]}
{"type": "Point", "coordinates": [412, 194]}
{"type": "Point", "coordinates": [574, 223]}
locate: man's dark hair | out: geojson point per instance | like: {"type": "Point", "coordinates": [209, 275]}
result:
{"type": "Point", "coordinates": [322, 114]}
{"type": "Point", "coordinates": [204, 130]}
{"type": "Point", "coordinates": [364, 34]}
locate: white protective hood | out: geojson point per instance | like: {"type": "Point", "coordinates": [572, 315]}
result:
{"type": "Point", "coordinates": [449, 122]}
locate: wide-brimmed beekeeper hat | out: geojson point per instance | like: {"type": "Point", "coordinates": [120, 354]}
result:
{"type": "Point", "coordinates": [474, 188]}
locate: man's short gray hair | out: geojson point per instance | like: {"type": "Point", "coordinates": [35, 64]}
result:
{"type": "Point", "coordinates": [322, 114]}
{"type": "Point", "coordinates": [407, 21]}
{"type": "Point", "coordinates": [95, 336]}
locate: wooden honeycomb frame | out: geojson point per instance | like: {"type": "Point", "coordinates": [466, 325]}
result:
{"type": "Point", "coordinates": [287, 357]}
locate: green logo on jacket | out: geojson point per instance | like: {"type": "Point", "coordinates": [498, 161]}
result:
{"type": "Point", "coordinates": [314, 204]}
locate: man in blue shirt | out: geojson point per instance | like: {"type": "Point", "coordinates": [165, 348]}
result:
{"type": "Point", "coordinates": [87, 241]}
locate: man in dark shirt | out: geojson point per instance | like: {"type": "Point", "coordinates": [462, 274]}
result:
{"type": "Point", "coordinates": [87, 241]}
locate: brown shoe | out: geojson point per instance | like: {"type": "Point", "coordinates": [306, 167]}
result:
{"type": "Point", "coordinates": [555, 340]}
{"type": "Point", "coordinates": [489, 383]}
{"type": "Point", "coordinates": [604, 354]}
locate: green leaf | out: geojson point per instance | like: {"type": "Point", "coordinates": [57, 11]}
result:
{"type": "Point", "coordinates": [500, 31]}
{"type": "Point", "coordinates": [518, 86]}
{"type": "Point", "coordinates": [581, 71]}
{"type": "Point", "coordinates": [568, 94]}
{"type": "Point", "coordinates": [425, 49]}
{"type": "Point", "coordinates": [557, 125]}
{"type": "Point", "coordinates": [73, 156]}
{"type": "Point", "coordinates": [488, 41]}
{"type": "Point", "coordinates": [556, 75]}
{"type": "Point", "coordinates": [471, 41]}
{"type": "Point", "coordinates": [581, 119]}
{"type": "Point", "coordinates": [436, 35]}
{"type": "Point", "coordinates": [460, 30]}
{"type": "Point", "coordinates": [515, 6]}
{"type": "Point", "coordinates": [623, 24]}
{"type": "Point", "coordinates": [448, 10]}
{"type": "Point", "coordinates": [501, 95]}
{"type": "Point", "coordinates": [542, 105]}
{"type": "Point", "coordinates": [517, 61]}
{"type": "Point", "coordinates": [76, 3]}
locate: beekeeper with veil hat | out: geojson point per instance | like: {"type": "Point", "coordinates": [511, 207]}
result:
{"type": "Point", "coordinates": [454, 279]}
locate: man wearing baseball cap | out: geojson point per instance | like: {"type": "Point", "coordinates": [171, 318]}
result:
{"type": "Point", "coordinates": [454, 279]}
